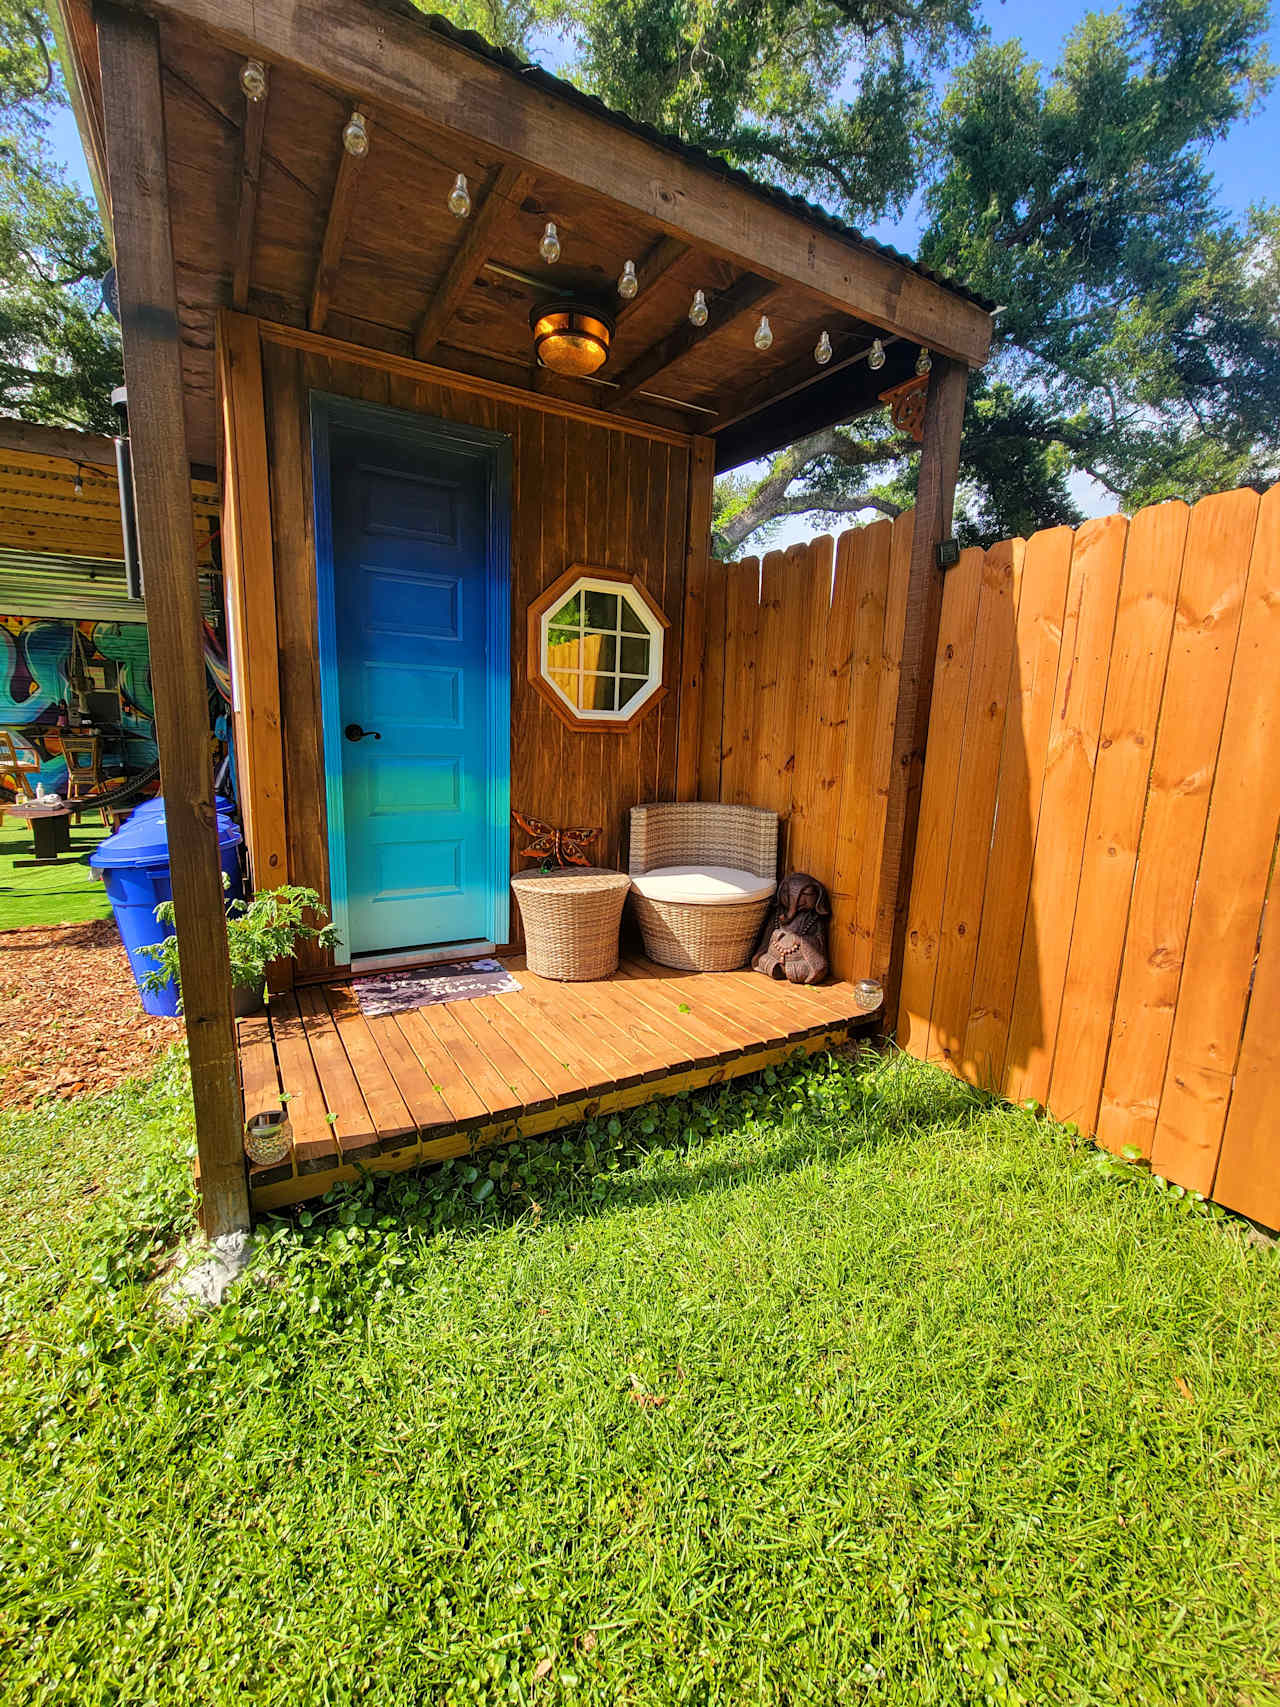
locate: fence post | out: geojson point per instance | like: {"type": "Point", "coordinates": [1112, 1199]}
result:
{"type": "Point", "coordinates": [935, 498]}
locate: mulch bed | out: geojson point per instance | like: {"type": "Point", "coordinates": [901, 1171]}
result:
{"type": "Point", "coordinates": [71, 1022]}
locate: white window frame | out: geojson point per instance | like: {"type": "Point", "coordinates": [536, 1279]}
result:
{"type": "Point", "coordinates": [627, 592]}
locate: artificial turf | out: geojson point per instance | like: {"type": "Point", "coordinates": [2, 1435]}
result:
{"type": "Point", "coordinates": [845, 1386]}
{"type": "Point", "coordinates": [63, 894]}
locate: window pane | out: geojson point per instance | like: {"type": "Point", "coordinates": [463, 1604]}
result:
{"type": "Point", "coordinates": [561, 636]}
{"type": "Point", "coordinates": [601, 609]}
{"type": "Point", "coordinates": [630, 619]}
{"type": "Point", "coordinates": [628, 688]}
{"type": "Point", "coordinates": [633, 656]}
{"type": "Point", "coordinates": [598, 693]}
{"type": "Point", "coordinates": [569, 613]}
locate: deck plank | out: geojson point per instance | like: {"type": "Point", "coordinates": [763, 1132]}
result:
{"type": "Point", "coordinates": [593, 1038]}
{"type": "Point", "coordinates": [351, 1121]}
{"type": "Point", "coordinates": [701, 1041]}
{"type": "Point", "coordinates": [315, 1147]}
{"type": "Point", "coordinates": [525, 1019]}
{"type": "Point", "coordinates": [388, 1110]}
{"type": "Point", "coordinates": [466, 1060]}
{"type": "Point", "coordinates": [260, 1088]}
{"type": "Point", "coordinates": [519, 1075]}
{"type": "Point", "coordinates": [445, 1073]}
{"type": "Point", "coordinates": [427, 1108]}
{"type": "Point", "coordinates": [639, 1046]}
{"type": "Point", "coordinates": [686, 990]}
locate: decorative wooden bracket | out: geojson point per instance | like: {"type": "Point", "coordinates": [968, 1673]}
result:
{"type": "Point", "coordinates": [906, 405]}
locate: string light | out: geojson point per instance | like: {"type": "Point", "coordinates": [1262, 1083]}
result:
{"type": "Point", "coordinates": [698, 309]}
{"type": "Point", "coordinates": [628, 283]}
{"type": "Point", "coordinates": [924, 361]}
{"type": "Point", "coordinates": [764, 334]}
{"type": "Point", "coordinates": [549, 247]}
{"type": "Point", "coordinates": [78, 488]}
{"type": "Point", "coordinates": [460, 197]}
{"type": "Point", "coordinates": [822, 349]}
{"type": "Point", "coordinates": [875, 356]}
{"type": "Point", "coordinates": [355, 138]}
{"type": "Point", "coordinates": [253, 79]}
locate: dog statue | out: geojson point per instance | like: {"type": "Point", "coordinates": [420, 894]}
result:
{"type": "Point", "coordinates": [793, 943]}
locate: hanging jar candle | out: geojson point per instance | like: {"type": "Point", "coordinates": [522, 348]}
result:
{"type": "Point", "coordinates": [698, 309]}
{"type": "Point", "coordinates": [549, 247]}
{"type": "Point", "coordinates": [628, 283]}
{"type": "Point", "coordinates": [253, 79]}
{"type": "Point", "coordinates": [924, 361]}
{"type": "Point", "coordinates": [764, 334]}
{"type": "Point", "coordinates": [460, 197]}
{"type": "Point", "coordinates": [822, 349]}
{"type": "Point", "coordinates": [355, 138]}
{"type": "Point", "coordinates": [875, 356]}
{"type": "Point", "coordinates": [867, 995]}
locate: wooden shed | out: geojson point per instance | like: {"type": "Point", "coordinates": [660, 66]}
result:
{"type": "Point", "coordinates": [382, 274]}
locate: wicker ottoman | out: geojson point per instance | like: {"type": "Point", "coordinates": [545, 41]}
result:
{"type": "Point", "coordinates": [571, 920]}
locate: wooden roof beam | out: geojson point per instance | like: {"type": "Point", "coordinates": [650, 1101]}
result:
{"type": "Point", "coordinates": [499, 207]}
{"type": "Point", "coordinates": [341, 207]}
{"type": "Point", "coordinates": [251, 135]}
{"type": "Point", "coordinates": [742, 297]}
{"type": "Point", "coordinates": [394, 60]}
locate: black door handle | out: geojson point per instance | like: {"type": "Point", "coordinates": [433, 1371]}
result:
{"type": "Point", "coordinates": [354, 732]}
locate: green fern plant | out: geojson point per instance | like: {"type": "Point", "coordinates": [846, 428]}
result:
{"type": "Point", "coordinates": [269, 927]}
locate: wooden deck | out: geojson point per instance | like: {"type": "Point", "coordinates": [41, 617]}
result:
{"type": "Point", "coordinates": [394, 1091]}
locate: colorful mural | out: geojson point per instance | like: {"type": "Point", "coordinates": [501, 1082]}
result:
{"type": "Point", "coordinates": [37, 657]}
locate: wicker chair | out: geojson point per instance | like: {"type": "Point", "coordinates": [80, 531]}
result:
{"type": "Point", "coordinates": [702, 877]}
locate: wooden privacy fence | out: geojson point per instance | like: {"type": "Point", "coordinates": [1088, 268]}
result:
{"type": "Point", "coordinates": [1088, 923]}
{"type": "Point", "coordinates": [800, 685]}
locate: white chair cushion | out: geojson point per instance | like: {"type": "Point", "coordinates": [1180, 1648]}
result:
{"type": "Point", "coordinates": [705, 885]}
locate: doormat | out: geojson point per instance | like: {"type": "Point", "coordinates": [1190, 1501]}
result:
{"type": "Point", "coordinates": [420, 986]}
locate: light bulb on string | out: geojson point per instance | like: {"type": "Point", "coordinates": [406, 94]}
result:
{"type": "Point", "coordinates": [355, 138]}
{"type": "Point", "coordinates": [924, 362]}
{"type": "Point", "coordinates": [253, 79]}
{"type": "Point", "coordinates": [822, 349]}
{"type": "Point", "coordinates": [628, 283]}
{"type": "Point", "coordinates": [875, 356]}
{"type": "Point", "coordinates": [764, 334]}
{"type": "Point", "coordinates": [460, 197]}
{"type": "Point", "coordinates": [698, 309]}
{"type": "Point", "coordinates": [78, 487]}
{"type": "Point", "coordinates": [549, 247]}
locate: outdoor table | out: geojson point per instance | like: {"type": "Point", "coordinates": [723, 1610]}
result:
{"type": "Point", "coordinates": [50, 828]}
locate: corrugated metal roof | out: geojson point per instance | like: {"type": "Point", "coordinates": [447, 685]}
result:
{"type": "Point", "coordinates": [42, 583]}
{"type": "Point", "coordinates": [567, 91]}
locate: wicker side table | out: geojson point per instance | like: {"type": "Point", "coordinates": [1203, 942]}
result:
{"type": "Point", "coordinates": [571, 920]}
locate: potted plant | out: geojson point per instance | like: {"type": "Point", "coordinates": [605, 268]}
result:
{"type": "Point", "coordinates": [267, 928]}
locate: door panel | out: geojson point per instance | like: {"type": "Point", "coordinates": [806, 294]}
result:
{"type": "Point", "coordinates": [411, 586]}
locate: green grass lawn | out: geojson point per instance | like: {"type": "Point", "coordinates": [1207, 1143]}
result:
{"type": "Point", "coordinates": [50, 895]}
{"type": "Point", "coordinates": [844, 1387]}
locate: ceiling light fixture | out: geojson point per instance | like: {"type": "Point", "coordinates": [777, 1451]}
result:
{"type": "Point", "coordinates": [571, 337]}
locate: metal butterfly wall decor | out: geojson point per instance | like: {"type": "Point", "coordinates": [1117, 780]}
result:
{"type": "Point", "coordinates": [554, 846]}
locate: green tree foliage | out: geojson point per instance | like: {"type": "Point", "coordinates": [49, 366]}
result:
{"type": "Point", "coordinates": [59, 348]}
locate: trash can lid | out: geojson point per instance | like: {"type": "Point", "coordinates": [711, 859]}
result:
{"type": "Point", "coordinates": [224, 807]}
{"type": "Point", "coordinates": [144, 841]}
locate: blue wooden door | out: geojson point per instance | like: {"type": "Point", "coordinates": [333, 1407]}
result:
{"type": "Point", "coordinates": [411, 585]}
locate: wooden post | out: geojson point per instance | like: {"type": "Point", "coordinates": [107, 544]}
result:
{"type": "Point", "coordinates": [128, 47]}
{"type": "Point", "coordinates": [935, 499]}
{"type": "Point", "coordinates": [702, 480]}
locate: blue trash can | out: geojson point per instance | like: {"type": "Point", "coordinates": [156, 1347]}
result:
{"type": "Point", "coordinates": [134, 866]}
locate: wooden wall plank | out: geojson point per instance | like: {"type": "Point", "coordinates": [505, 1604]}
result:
{"type": "Point", "coordinates": [1210, 598]}
{"type": "Point", "coordinates": [712, 735]}
{"type": "Point", "coordinates": [1079, 696]}
{"type": "Point", "coordinates": [774, 710]}
{"type": "Point", "coordinates": [742, 618]}
{"type": "Point", "coordinates": [815, 775]}
{"type": "Point", "coordinates": [693, 708]}
{"type": "Point", "coordinates": [951, 674]}
{"type": "Point", "coordinates": [981, 744]}
{"type": "Point", "coordinates": [1235, 866]}
{"type": "Point", "coordinates": [249, 570]}
{"type": "Point", "coordinates": [1140, 657]}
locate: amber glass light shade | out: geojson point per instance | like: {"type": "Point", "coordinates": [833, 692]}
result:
{"type": "Point", "coordinates": [571, 338]}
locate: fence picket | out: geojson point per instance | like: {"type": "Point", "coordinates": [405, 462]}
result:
{"type": "Point", "coordinates": [1140, 656]}
{"type": "Point", "coordinates": [1215, 562]}
{"type": "Point", "coordinates": [1240, 837]}
{"type": "Point", "coordinates": [1248, 1177]}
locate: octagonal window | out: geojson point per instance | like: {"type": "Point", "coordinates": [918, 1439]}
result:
{"type": "Point", "coordinates": [599, 646]}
